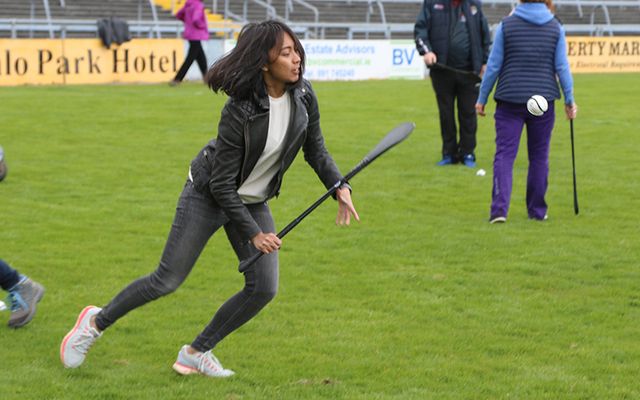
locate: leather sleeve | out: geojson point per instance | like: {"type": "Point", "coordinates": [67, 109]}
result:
{"type": "Point", "coordinates": [421, 29]}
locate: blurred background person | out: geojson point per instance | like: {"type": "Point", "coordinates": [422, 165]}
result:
{"type": "Point", "coordinates": [528, 57]}
{"type": "Point", "coordinates": [196, 29]}
{"type": "Point", "coordinates": [3, 165]}
{"type": "Point", "coordinates": [24, 295]}
{"type": "Point", "coordinates": [454, 34]}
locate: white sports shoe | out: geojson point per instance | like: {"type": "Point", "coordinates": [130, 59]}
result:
{"type": "Point", "coordinates": [80, 338]}
{"type": "Point", "coordinates": [200, 363]}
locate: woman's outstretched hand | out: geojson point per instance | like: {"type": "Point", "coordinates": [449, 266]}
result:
{"type": "Point", "coordinates": [345, 207]}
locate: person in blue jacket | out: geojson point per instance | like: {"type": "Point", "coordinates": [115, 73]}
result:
{"type": "Point", "coordinates": [528, 58]}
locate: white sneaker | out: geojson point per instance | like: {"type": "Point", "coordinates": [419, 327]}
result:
{"type": "Point", "coordinates": [200, 363]}
{"type": "Point", "coordinates": [498, 220]}
{"type": "Point", "coordinates": [80, 338]}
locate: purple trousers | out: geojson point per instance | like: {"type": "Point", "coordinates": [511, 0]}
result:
{"type": "Point", "coordinates": [510, 119]}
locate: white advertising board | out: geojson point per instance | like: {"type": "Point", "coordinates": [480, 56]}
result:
{"type": "Point", "coordinates": [335, 60]}
{"type": "Point", "coordinates": [339, 60]}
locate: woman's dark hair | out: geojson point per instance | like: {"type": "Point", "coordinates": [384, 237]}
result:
{"type": "Point", "coordinates": [239, 72]}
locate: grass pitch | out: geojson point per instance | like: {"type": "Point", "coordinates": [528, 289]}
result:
{"type": "Point", "coordinates": [421, 300]}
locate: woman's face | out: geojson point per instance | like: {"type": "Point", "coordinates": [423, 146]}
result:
{"type": "Point", "coordinates": [284, 66]}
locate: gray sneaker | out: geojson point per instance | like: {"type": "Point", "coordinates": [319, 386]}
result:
{"type": "Point", "coordinates": [200, 363]}
{"type": "Point", "coordinates": [23, 298]}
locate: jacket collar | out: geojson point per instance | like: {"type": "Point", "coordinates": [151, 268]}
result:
{"type": "Point", "coordinates": [262, 99]}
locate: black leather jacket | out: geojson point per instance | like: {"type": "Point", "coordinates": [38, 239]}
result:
{"type": "Point", "coordinates": [225, 163]}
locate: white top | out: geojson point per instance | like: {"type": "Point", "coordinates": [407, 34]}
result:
{"type": "Point", "coordinates": [255, 188]}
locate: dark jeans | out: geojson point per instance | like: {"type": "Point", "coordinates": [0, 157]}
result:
{"type": "Point", "coordinates": [9, 277]}
{"type": "Point", "coordinates": [195, 53]}
{"type": "Point", "coordinates": [510, 119]}
{"type": "Point", "coordinates": [451, 87]}
{"type": "Point", "coordinates": [197, 219]}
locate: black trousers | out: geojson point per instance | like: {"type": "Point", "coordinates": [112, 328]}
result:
{"type": "Point", "coordinates": [451, 88]}
{"type": "Point", "coordinates": [196, 52]}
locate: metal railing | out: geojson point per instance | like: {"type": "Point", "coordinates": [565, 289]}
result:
{"type": "Point", "coordinates": [47, 13]}
{"type": "Point", "coordinates": [154, 16]}
{"type": "Point", "coordinates": [592, 28]}
{"type": "Point", "coordinates": [49, 21]}
{"type": "Point", "coordinates": [89, 28]}
{"type": "Point", "coordinates": [269, 9]}
{"type": "Point", "coordinates": [578, 4]}
{"type": "Point", "coordinates": [351, 29]}
{"type": "Point", "coordinates": [596, 3]}
{"type": "Point", "coordinates": [314, 10]}
{"type": "Point", "coordinates": [150, 29]}
{"type": "Point", "coordinates": [307, 29]}
{"type": "Point", "coordinates": [597, 31]}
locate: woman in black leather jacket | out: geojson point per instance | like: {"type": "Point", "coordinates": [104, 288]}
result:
{"type": "Point", "coordinates": [271, 114]}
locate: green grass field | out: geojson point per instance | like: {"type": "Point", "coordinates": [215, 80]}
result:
{"type": "Point", "coordinates": [423, 299]}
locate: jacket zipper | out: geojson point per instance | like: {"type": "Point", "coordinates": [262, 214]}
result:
{"type": "Point", "coordinates": [247, 146]}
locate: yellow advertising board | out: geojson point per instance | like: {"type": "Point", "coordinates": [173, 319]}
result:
{"type": "Point", "coordinates": [85, 61]}
{"type": "Point", "coordinates": [604, 54]}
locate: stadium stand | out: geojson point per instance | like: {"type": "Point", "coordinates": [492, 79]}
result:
{"type": "Point", "coordinates": [585, 17]}
{"type": "Point", "coordinates": [324, 19]}
{"type": "Point", "coordinates": [75, 18]}
{"type": "Point", "coordinates": [395, 18]}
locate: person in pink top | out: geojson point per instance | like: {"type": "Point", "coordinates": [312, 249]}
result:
{"type": "Point", "coordinates": [195, 30]}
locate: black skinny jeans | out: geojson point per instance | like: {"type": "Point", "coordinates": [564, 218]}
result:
{"type": "Point", "coordinates": [197, 219]}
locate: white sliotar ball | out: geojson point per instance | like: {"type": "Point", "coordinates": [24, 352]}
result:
{"type": "Point", "coordinates": [537, 105]}
{"type": "Point", "coordinates": [481, 172]}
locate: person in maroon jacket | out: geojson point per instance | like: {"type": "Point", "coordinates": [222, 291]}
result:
{"type": "Point", "coordinates": [195, 30]}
